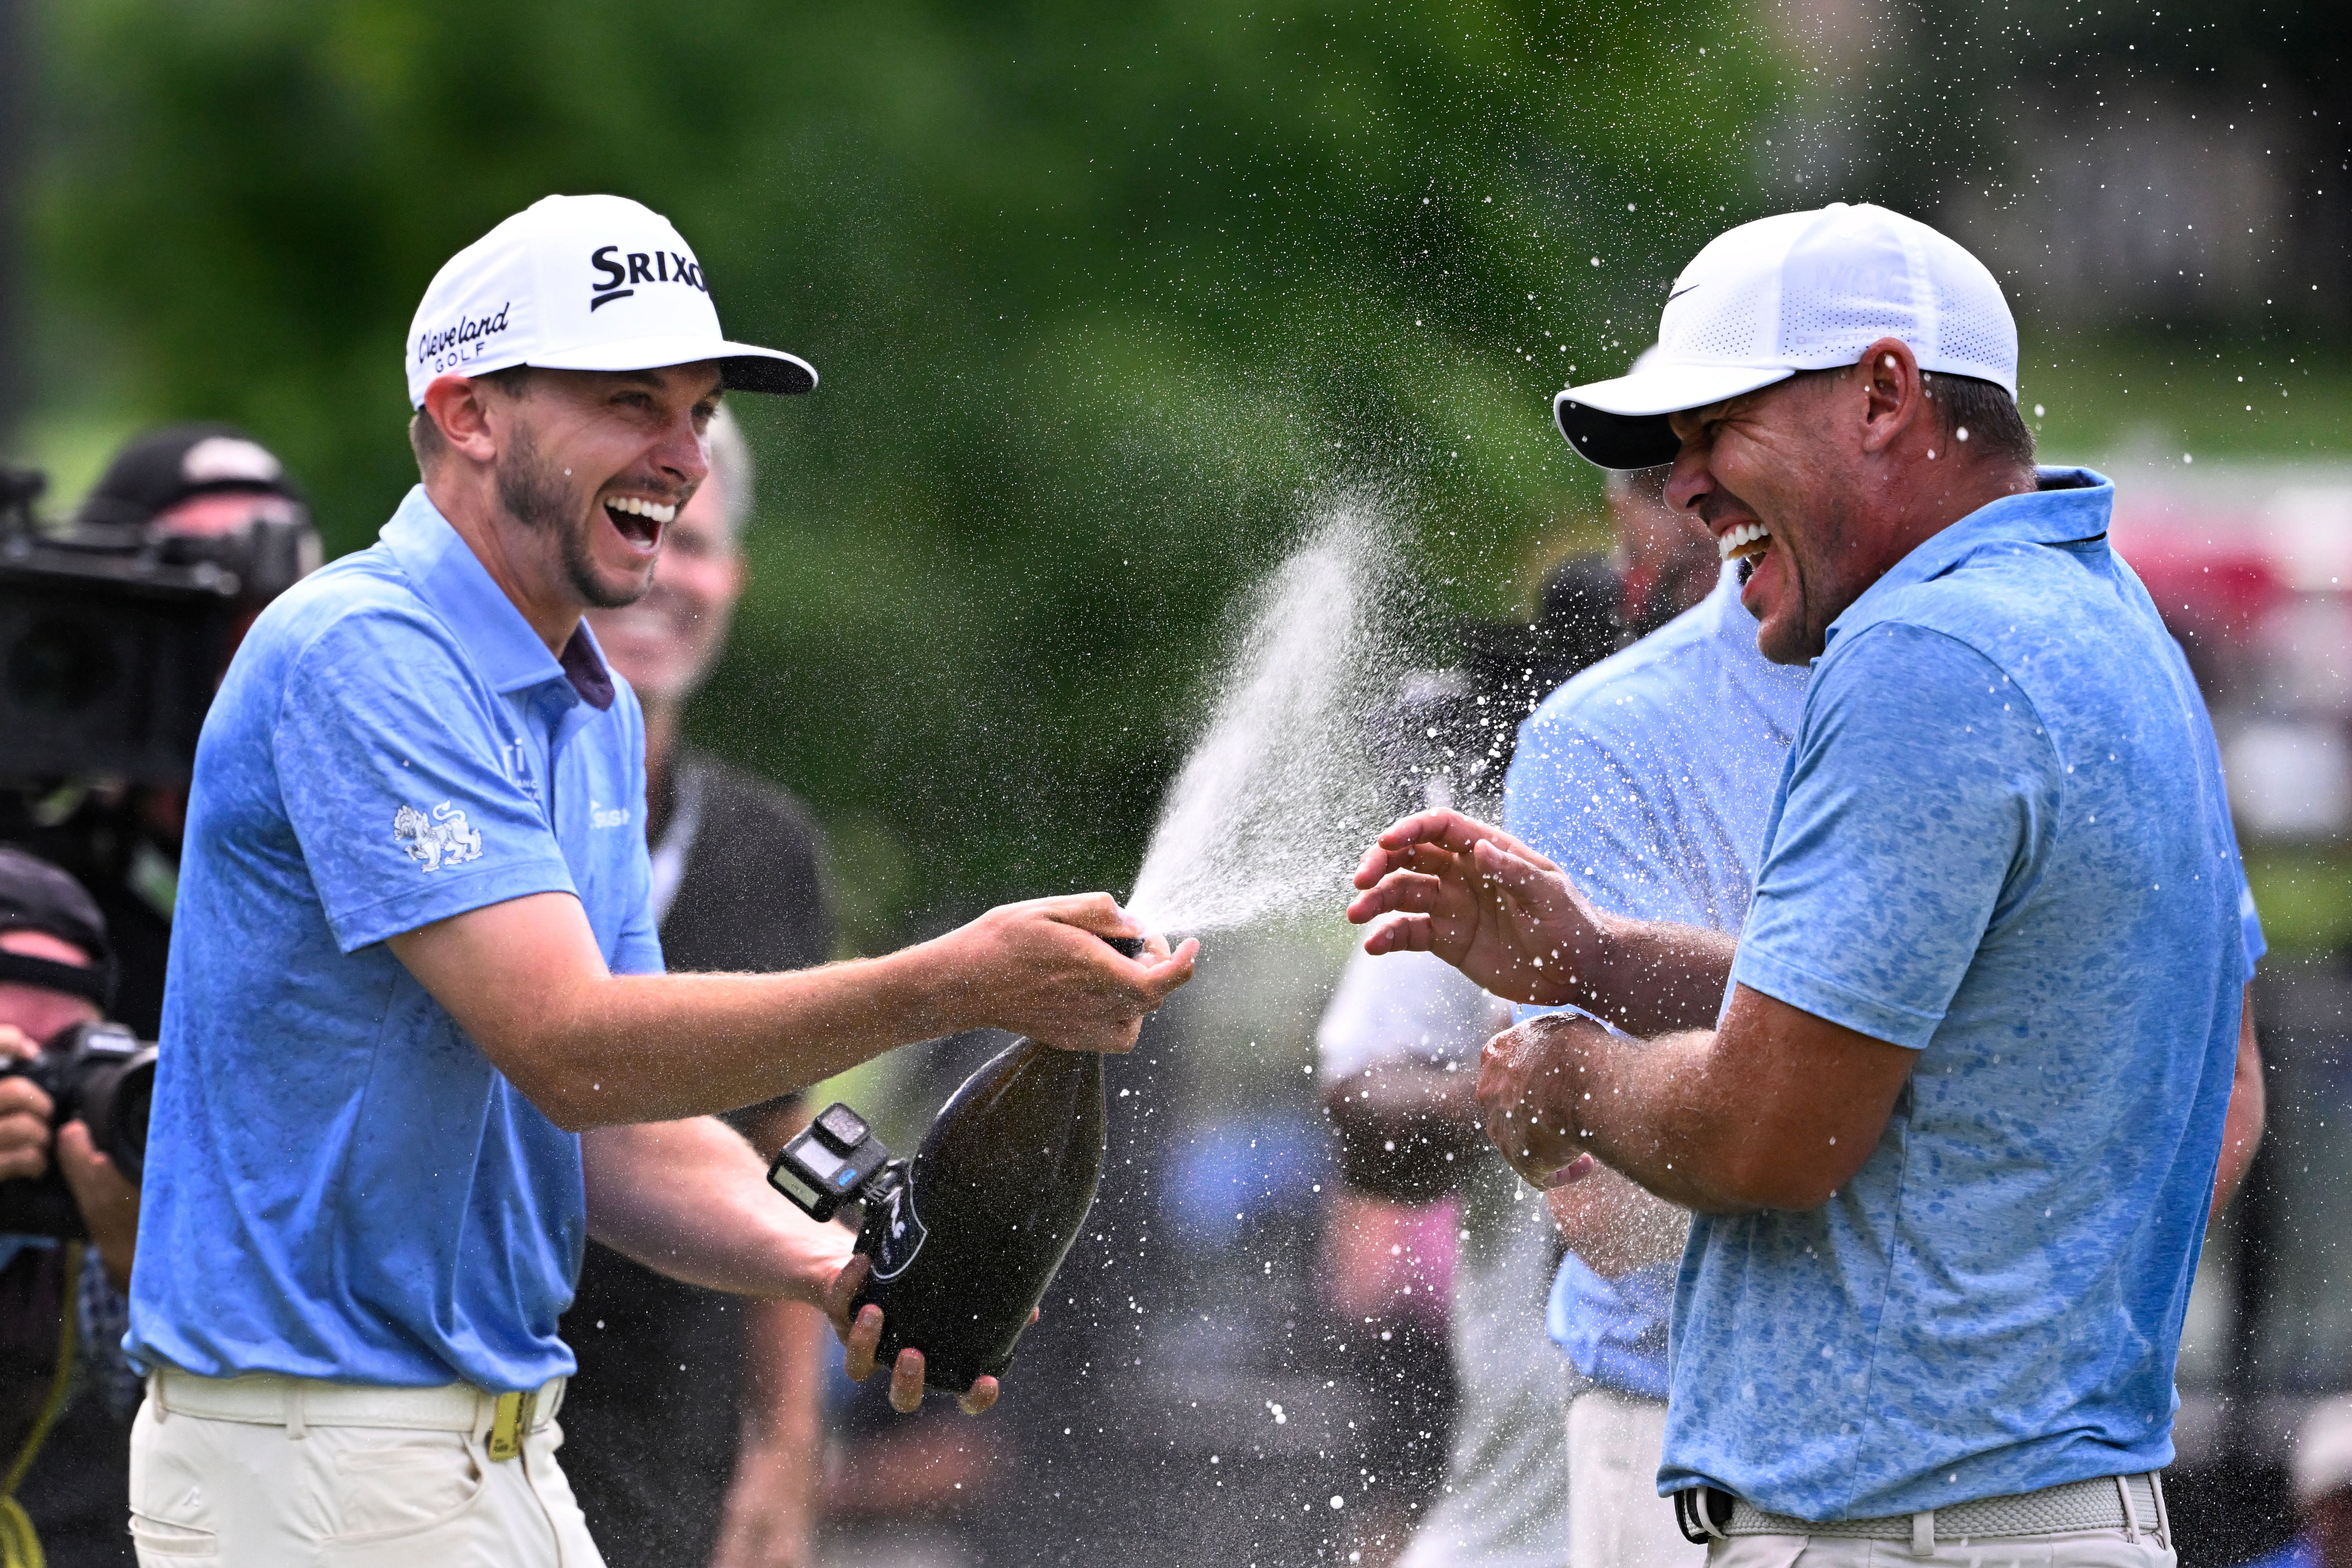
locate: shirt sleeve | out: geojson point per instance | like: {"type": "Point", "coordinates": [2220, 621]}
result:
{"type": "Point", "coordinates": [1917, 806]}
{"type": "Point", "coordinates": [390, 759]}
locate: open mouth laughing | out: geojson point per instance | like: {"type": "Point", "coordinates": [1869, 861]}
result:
{"type": "Point", "coordinates": [1744, 541]}
{"type": "Point", "coordinates": [638, 520]}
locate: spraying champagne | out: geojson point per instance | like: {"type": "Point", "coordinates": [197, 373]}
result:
{"type": "Point", "coordinates": [965, 1240]}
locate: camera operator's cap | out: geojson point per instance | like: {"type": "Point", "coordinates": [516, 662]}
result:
{"type": "Point", "coordinates": [1802, 291]}
{"type": "Point", "coordinates": [164, 467]}
{"type": "Point", "coordinates": [582, 283]}
{"type": "Point", "coordinates": [37, 897]}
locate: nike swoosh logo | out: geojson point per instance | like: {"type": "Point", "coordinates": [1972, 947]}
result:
{"type": "Point", "coordinates": [1678, 293]}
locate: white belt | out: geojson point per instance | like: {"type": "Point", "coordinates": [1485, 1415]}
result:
{"type": "Point", "coordinates": [2133, 1504]}
{"type": "Point", "coordinates": [297, 1404]}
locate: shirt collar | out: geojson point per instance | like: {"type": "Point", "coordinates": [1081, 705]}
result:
{"type": "Point", "coordinates": [459, 588]}
{"type": "Point", "coordinates": [2066, 506]}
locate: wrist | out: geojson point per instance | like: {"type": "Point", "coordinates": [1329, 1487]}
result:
{"type": "Point", "coordinates": [921, 991]}
{"type": "Point", "coordinates": [1595, 964]}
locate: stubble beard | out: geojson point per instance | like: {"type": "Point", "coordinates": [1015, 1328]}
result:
{"type": "Point", "coordinates": [534, 492]}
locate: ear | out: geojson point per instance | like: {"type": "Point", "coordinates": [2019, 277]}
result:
{"type": "Point", "coordinates": [1894, 392]}
{"type": "Point", "coordinates": [457, 408]}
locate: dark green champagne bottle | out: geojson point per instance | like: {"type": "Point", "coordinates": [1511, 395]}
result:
{"type": "Point", "coordinates": [965, 1245]}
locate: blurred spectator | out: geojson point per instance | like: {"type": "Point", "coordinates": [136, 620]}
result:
{"type": "Point", "coordinates": [191, 492]}
{"type": "Point", "coordinates": [2322, 1491]}
{"type": "Point", "coordinates": [696, 1434]}
{"type": "Point", "coordinates": [1400, 1049]}
{"type": "Point", "coordinates": [67, 1394]}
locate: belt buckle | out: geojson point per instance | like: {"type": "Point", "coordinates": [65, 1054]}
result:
{"type": "Point", "coordinates": [1704, 1515]}
{"type": "Point", "coordinates": [510, 1421]}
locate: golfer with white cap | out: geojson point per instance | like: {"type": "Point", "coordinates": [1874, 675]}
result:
{"type": "Point", "coordinates": [417, 1045]}
{"type": "Point", "coordinates": [1950, 1105]}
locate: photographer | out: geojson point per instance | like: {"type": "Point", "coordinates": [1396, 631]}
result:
{"type": "Point", "coordinates": [63, 1419]}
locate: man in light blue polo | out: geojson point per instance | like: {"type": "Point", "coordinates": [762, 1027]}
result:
{"type": "Point", "coordinates": [1953, 1136]}
{"type": "Point", "coordinates": [417, 1045]}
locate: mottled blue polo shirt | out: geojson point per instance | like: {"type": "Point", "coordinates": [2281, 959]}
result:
{"type": "Point", "coordinates": [2001, 842]}
{"type": "Point", "coordinates": [340, 1184]}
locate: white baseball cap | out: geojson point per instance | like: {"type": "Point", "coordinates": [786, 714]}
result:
{"type": "Point", "coordinates": [1802, 291]}
{"type": "Point", "coordinates": [582, 283]}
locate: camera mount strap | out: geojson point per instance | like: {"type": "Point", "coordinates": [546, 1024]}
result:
{"type": "Point", "coordinates": [93, 983]}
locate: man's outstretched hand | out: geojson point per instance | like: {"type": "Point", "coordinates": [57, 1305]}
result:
{"type": "Point", "coordinates": [863, 1337]}
{"type": "Point", "coordinates": [1040, 969]}
{"type": "Point", "coordinates": [1439, 881]}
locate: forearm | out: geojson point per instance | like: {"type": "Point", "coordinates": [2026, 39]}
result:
{"type": "Point", "coordinates": [690, 1199]}
{"type": "Point", "coordinates": [1652, 976]}
{"type": "Point", "coordinates": [1656, 1114]}
{"type": "Point", "coordinates": [650, 1047]}
{"type": "Point", "coordinates": [1777, 1110]}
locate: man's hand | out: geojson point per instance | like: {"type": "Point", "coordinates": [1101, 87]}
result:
{"type": "Point", "coordinates": [24, 1111]}
{"type": "Point", "coordinates": [1040, 969]}
{"type": "Point", "coordinates": [863, 1337]}
{"type": "Point", "coordinates": [1522, 1074]}
{"type": "Point", "coordinates": [1513, 922]}
{"type": "Point", "coordinates": [1482, 901]}
{"type": "Point", "coordinates": [108, 1200]}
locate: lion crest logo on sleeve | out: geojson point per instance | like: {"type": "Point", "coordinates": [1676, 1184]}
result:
{"type": "Point", "coordinates": [442, 839]}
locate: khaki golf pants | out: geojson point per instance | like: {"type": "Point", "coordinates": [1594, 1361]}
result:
{"type": "Point", "coordinates": [271, 1472]}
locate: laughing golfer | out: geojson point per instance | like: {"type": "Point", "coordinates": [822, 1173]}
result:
{"type": "Point", "coordinates": [417, 1046]}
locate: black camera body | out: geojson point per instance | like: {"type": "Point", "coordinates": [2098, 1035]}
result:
{"type": "Point", "coordinates": [110, 642]}
{"type": "Point", "coordinates": [102, 1076]}
{"type": "Point", "coordinates": [834, 1162]}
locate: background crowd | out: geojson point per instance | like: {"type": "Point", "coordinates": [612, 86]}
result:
{"type": "Point", "coordinates": [1108, 294]}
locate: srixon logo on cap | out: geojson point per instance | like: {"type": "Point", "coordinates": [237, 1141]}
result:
{"type": "Point", "coordinates": [454, 346]}
{"type": "Point", "coordinates": [623, 271]}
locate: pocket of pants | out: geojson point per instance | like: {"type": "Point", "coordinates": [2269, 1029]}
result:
{"type": "Point", "coordinates": [159, 1541]}
{"type": "Point", "coordinates": [399, 1486]}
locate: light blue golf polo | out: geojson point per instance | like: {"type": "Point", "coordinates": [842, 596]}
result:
{"type": "Point", "coordinates": [340, 1184]}
{"type": "Point", "coordinates": [2001, 842]}
{"type": "Point", "coordinates": [1649, 777]}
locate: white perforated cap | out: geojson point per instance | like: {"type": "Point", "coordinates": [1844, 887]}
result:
{"type": "Point", "coordinates": [582, 283]}
{"type": "Point", "coordinates": [1800, 291]}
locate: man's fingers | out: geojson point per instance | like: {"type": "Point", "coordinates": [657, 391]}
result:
{"type": "Point", "coordinates": [860, 1344]}
{"type": "Point", "coordinates": [1414, 891]}
{"type": "Point", "coordinates": [906, 1381]}
{"type": "Point", "coordinates": [1162, 977]}
{"type": "Point", "coordinates": [1576, 1170]}
{"type": "Point", "coordinates": [15, 1042]}
{"type": "Point", "coordinates": [1400, 934]}
{"type": "Point", "coordinates": [979, 1398]}
{"type": "Point", "coordinates": [844, 1290]}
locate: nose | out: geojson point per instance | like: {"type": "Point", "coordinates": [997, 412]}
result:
{"type": "Point", "coordinates": [683, 453]}
{"type": "Point", "coordinates": [1689, 482]}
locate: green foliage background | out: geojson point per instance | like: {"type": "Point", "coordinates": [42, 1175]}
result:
{"type": "Point", "coordinates": [1104, 298]}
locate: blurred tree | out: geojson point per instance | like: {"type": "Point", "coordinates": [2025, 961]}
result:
{"type": "Point", "coordinates": [1101, 297]}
